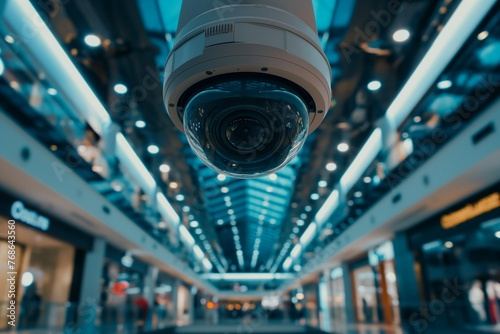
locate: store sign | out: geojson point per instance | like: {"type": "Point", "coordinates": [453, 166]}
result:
{"type": "Point", "coordinates": [30, 217]}
{"type": "Point", "coordinates": [471, 211]}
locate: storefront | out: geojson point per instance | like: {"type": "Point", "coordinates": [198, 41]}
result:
{"type": "Point", "coordinates": [375, 288]}
{"type": "Point", "coordinates": [49, 260]}
{"type": "Point", "coordinates": [458, 256]}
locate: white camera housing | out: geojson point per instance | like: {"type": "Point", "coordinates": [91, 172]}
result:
{"type": "Point", "coordinates": [275, 39]}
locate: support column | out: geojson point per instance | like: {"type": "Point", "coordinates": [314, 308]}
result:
{"type": "Point", "coordinates": [326, 298]}
{"type": "Point", "coordinates": [91, 287]}
{"type": "Point", "coordinates": [350, 305]}
{"type": "Point", "coordinates": [408, 288]}
{"type": "Point", "coordinates": [149, 292]}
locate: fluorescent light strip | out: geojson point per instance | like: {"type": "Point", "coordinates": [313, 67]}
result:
{"type": "Point", "coordinates": [365, 157]}
{"type": "Point", "coordinates": [166, 210]}
{"type": "Point", "coordinates": [186, 236]}
{"type": "Point", "coordinates": [330, 205]}
{"type": "Point", "coordinates": [31, 32]}
{"type": "Point", "coordinates": [247, 276]}
{"type": "Point", "coordinates": [452, 37]}
{"type": "Point", "coordinates": [308, 235]}
{"type": "Point", "coordinates": [207, 264]}
{"type": "Point", "coordinates": [198, 253]}
{"type": "Point", "coordinates": [296, 251]}
{"type": "Point", "coordinates": [129, 159]}
{"type": "Point", "coordinates": [287, 264]}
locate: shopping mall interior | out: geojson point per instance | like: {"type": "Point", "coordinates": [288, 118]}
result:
{"type": "Point", "coordinates": [250, 166]}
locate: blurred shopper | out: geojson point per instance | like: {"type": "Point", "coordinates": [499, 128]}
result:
{"type": "Point", "coordinates": [142, 313]}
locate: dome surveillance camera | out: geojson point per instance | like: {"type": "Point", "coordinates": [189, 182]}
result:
{"type": "Point", "coordinates": [247, 81]}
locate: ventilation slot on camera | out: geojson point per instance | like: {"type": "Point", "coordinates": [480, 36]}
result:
{"type": "Point", "coordinates": [219, 29]}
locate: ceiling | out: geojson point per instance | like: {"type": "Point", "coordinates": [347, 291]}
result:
{"type": "Point", "coordinates": [253, 225]}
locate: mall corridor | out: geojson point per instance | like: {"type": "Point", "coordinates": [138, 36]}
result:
{"type": "Point", "coordinates": [249, 166]}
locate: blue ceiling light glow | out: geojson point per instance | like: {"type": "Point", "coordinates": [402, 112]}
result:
{"type": "Point", "coordinates": [140, 124]}
{"type": "Point", "coordinates": [153, 149]}
{"type": "Point", "coordinates": [445, 84]}
{"type": "Point", "coordinates": [314, 197]}
{"type": "Point", "coordinates": [120, 89]}
{"type": "Point", "coordinates": [92, 40]}
{"type": "Point", "coordinates": [2, 67]}
{"type": "Point", "coordinates": [401, 35]}
{"type": "Point", "coordinates": [179, 197]}
{"type": "Point", "coordinates": [465, 19]}
{"type": "Point", "coordinates": [374, 85]}
{"type": "Point", "coordinates": [51, 91]}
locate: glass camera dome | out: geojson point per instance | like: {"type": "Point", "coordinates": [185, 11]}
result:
{"type": "Point", "coordinates": [246, 128]}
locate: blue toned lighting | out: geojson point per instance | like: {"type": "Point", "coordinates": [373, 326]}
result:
{"type": "Point", "coordinates": [483, 35]}
{"type": "Point", "coordinates": [314, 197]}
{"type": "Point", "coordinates": [367, 179]}
{"type": "Point", "coordinates": [194, 224]}
{"type": "Point", "coordinates": [92, 40]}
{"type": "Point", "coordinates": [288, 263]}
{"type": "Point", "coordinates": [400, 36]}
{"type": "Point", "coordinates": [27, 279]}
{"type": "Point", "coordinates": [224, 190]}
{"type": "Point", "coordinates": [120, 89]}
{"type": "Point", "coordinates": [9, 39]}
{"type": "Point", "coordinates": [220, 222]}
{"type": "Point", "coordinates": [273, 177]}
{"type": "Point", "coordinates": [300, 222]}
{"type": "Point", "coordinates": [179, 197]}
{"type": "Point", "coordinates": [164, 168]}
{"type": "Point", "coordinates": [445, 84]}
{"type": "Point", "coordinates": [140, 124]}
{"type": "Point", "coordinates": [322, 184]}
{"type": "Point", "coordinates": [129, 159]}
{"type": "Point", "coordinates": [52, 91]}
{"type": "Point", "coordinates": [296, 251]}
{"type": "Point", "coordinates": [465, 19]}
{"type": "Point", "coordinates": [343, 147]}
{"type": "Point", "coordinates": [365, 157]}
{"type": "Point", "coordinates": [206, 264]}
{"type": "Point", "coordinates": [331, 166]}
{"type": "Point", "coordinates": [198, 253]}
{"type": "Point", "coordinates": [330, 205]}
{"type": "Point", "coordinates": [2, 67]}
{"type": "Point", "coordinates": [221, 177]}
{"type": "Point", "coordinates": [166, 210]}
{"type": "Point", "coordinates": [153, 149]}
{"type": "Point", "coordinates": [308, 234]}
{"type": "Point", "coordinates": [374, 85]}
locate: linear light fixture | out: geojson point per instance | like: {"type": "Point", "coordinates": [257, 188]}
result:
{"type": "Point", "coordinates": [33, 35]}
{"type": "Point", "coordinates": [326, 210]}
{"type": "Point", "coordinates": [198, 252]}
{"type": "Point", "coordinates": [186, 236]}
{"type": "Point", "coordinates": [287, 264]}
{"type": "Point", "coordinates": [308, 234]}
{"type": "Point", "coordinates": [129, 159]}
{"type": "Point", "coordinates": [365, 157]}
{"type": "Point", "coordinates": [166, 210]}
{"type": "Point", "coordinates": [466, 18]}
{"type": "Point", "coordinates": [247, 276]}
{"type": "Point", "coordinates": [296, 251]}
{"type": "Point", "coordinates": [207, 264]}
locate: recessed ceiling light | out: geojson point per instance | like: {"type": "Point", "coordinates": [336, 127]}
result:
{"type": "Point", "coordinates": [367, 179]}
{"type": "Point", "coordinates": [120, 89]}
{"type": "Point", "coordinates": [52, 91]}
{"type": "Point", "coordinates": [374, 85]}
{"type": "Point", "coordinates": [221, 177]}
{"type": "Point", "coordinates": [308, 208]}
{"type": "Point", "coordinates": [140, 124]}
{"type": "Point", "coordinates": [331, 166]}
{"type": "Point", "coordinates": [273, 177]}
{"type": "Point", "coordinates": [483, 35]}
{"type": "Point", "coordinates": [405, 135]}
{"type": "Point", "coordinates": [194, 224]}
{"type": "Point", "coordinates": [417, 119]}
{"type": "Point", "coordinates": [444, 84]}
{"type": "Point", "coordinates": [164, 168]}
{"type": "Point", "coordinates": [153, 149]}
{"type": "Point", "coordinates": [198, 231]}
{"type": "Point", "coordinates": [92, 40]}
{"type": "Point", "coordinates": [300, 222]}
{"type": "Point", "coordinates": [224, 190]}
{"type": "Point", "coordinates": [295, 230]}
{"type": "Point", "coordinates": [343, 147]}
{"type": "Point", "coordinates": [497, 234]}
{"type": "Point", "coordinates": [448, 244]}
{"type": "Point", "coordinates": [358, 194]}
{"type": "Point", "coordinates": [9, 39]}
{"type": "Point", "coordinates": [402, 35]}
{"type": "Point", "coordinates": [314, 197]}
{"type": "Point", "coordinates": [173, 185]}
{"type": "Point", "coordinates": [179, 197]}
{"type": "Point", "coordinates": [322, 184]}
{"type": "Point", "coordinates": [220, 222]}
{"type": "Point", "coordinates": [269, 189]}
{"type": "Point", "coordinates": [162, 225]}
{"type": "Point", "coordinates": [273, 221]}
{"type": "Point", "coordinates": [186, 209]}
{"type": "Point", "coordinates": [230, 212]}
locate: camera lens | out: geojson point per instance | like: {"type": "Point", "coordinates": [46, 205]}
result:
{"type": "Point", "coordinates": [246, 128]}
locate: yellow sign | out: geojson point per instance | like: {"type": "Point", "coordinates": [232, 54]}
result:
{"type": "Point", "coordinates": [470, 211]}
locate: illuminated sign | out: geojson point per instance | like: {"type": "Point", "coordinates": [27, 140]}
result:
{"type": "Point", "coordinates": [470, 211]}
{"type": "Point", "coordinates": [30, 217]}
